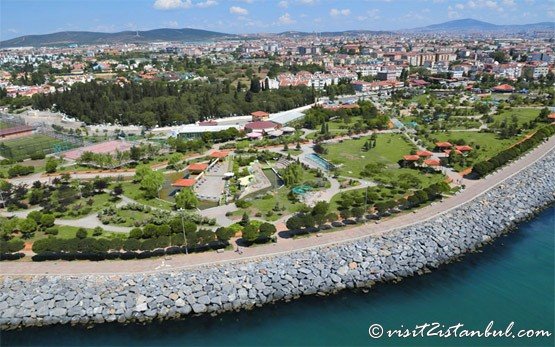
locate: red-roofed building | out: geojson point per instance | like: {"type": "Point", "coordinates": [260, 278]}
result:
{"type": "Point", "coordinates": [443, 145]}
{"type": "Point", "coordinates": [551, 116]}
{"type": "Point", "coordinates": [261, 126]}
{"type": "Point", "coordinates": [259, 115]}
{"type": "Point", "coordinates": [184, 183]}
{"type": "Point", "coordinates": [503, 88]}
{"type": "Point", "coordinates": [197, 167]}
{"type": "Point", "coordinates": [464, 148]}
{"type": "Point", "coordinates": [424, 154]}
{"type": "Point", "coordinates": [17, 131]}
{"type": "Point", "coordinates": [411, 157]}
{"type": "Point", "coordinates": [219, 154]}
{"type": "Point", "coordinates": [432, 162]}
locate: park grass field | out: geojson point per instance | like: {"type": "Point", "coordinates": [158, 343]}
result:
{"type": "Point", "coordinates": [389, 149]}
{"type": "Point", "coordinates": [25, 147]}
{"type": "Point", "coordinates": [388, 192]}
{"type": "Point", "coordinates": [523, 114]}
{"type": "Point", "coordinates": [485, 145]}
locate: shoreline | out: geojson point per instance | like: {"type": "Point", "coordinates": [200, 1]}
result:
{"type": "Point", "coordinates": [87, 299]}
{"type": "Point", "coordinates": [181, 262]}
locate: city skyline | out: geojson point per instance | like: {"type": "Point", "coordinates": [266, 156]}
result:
{"type": "Point", "coordinates": [252, 16]}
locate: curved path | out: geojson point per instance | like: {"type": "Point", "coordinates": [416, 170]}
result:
{"type": "Point", "coordinates": [474, 189]}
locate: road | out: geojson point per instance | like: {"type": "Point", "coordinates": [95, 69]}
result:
{"type": "Point", "coordinates": [473, 189]}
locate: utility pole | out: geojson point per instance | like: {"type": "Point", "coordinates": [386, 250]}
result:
{"type": "Point", "coordinates": [183, 228]}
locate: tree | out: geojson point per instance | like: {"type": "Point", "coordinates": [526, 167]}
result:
{"type": "Point", "coordinates": [224, 234]}
{"type": "Point", "coordinates": [308, 221]}
{"type": "Point", "coordinates": [294, 223]}
{"type": "Point", "coordinates": [27, 227]}
{"type": "Point", "coordinates": [35, 215]}
{"type": "Point", "coordinates": [250, 233]}
{"type": "Point", "coordinates": [186, 199]}
{"type": "Point", "coordinates": [245, 220]}
{"type": "Point", "coordinates": [47, 220]}
{"type": "Point", "coordinates": [51, 165]}
{"type": "Point", "coordinates": [81, 233]}
{"type": "Point", "coordinates": [100, 184]}
{"type": "Point", "coordinates": [267, 230]}
{"type": "Point", "coordinates": [151, 183]}
{"type": "Point", "coordinates": [140, 172]}
{"type": "Point", "coordinates": [117, 191]}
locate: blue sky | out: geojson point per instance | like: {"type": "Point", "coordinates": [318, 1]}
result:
{"type": "Point", "coordinates": [21, 17]}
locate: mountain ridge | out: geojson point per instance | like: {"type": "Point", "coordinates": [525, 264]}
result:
{"type": "Point", "coordinates": [92, 37]}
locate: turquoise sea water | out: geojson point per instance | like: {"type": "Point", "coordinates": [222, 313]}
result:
{"type": "Point", "coordinates": [511, 280]}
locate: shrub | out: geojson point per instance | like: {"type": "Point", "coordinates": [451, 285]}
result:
{"type": "Point", "coordinates": [81, 233]}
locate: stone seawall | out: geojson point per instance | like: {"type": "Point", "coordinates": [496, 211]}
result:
{"type": "Point", "coordinates": [46, 300]}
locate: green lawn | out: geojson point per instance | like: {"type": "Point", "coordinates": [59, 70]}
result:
{"type": "Point", "coordinates": [68, 232]}
{"type": "Point", "coordinates": [99, 201]}
{"type": "Point", "coordinates": [393, 191]}
{"type": "Point", "coordinates": [133, 191]}
{"type": "Point", "coordinates": [485, 145]}
{"type": "Point", "coordinates": [389, 149]}
{"type": "Point", "coordinates": [524, 115]}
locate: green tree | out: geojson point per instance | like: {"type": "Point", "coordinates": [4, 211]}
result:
{"type": "Point", "coordinates": [27, 227]}
{"type": "Point", "coordinates": [250, 233]}
{"type": "Point", "coordinates": [51, 165]}
{"type": "Point", "coordinates": [151, 183]}
{"type": "Point", "coordinates": [186, 199]}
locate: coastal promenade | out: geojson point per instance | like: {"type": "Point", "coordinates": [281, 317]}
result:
{"type": "Point", "coordinates": [176, 262]}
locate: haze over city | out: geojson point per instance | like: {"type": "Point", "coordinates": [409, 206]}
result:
{"type": "Point", "coordinates": [250, 16]}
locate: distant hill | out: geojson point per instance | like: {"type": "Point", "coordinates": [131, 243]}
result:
{"type": "Point", "coordinates": [473, 25]}
{"type": "Point", "coordinates": [334, 33]}
{"type": "Point", "coordinates": [89, 37]}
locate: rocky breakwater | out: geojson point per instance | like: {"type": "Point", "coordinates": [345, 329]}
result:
{"type": "Point", "coordinates": [46, 300]}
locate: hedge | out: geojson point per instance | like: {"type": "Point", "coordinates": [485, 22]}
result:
{"type": "Point", "coordinates": [123, 255]}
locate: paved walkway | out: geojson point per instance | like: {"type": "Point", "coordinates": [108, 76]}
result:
{"type": "Point", "coordinates": [472, 190]}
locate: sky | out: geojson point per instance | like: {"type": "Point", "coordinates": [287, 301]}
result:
{"type": "Point", "coordinates": [23, 17]}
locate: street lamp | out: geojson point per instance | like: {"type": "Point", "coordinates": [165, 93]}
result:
{"type": "Point", "coordinates": [183, 228]}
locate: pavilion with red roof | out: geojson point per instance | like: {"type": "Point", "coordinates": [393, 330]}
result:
{"type": "Point", "coordinates": [411, 157]}
{"type": "Point", "coordinates": [444, 145]}
{"type": "Point", "coordinates": [219, 154]}
{"type": "Point", "coordinates": [432, 162]}
{"type": "Point", "coordinates": [197, 167]}
{"type": "Point", "coordinates": [184, 183]}
{"type": "Point", "coordinates": [464, 148]}
{"type": "Point", "coordinates": [503, 88]}
{"type": "Point", "coordinates": [424, 154]}
{"type": "Point", "coordinates": [259, 115]}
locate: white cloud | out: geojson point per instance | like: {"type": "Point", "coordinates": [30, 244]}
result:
{"type": "Point", "coordinates": [452, 14]}
{"type": "Point", "coordinates": [459, 6]}
{"type": "Point", "coordinates": [283, 4]}
{"type": "Point", "coordinates": [370, 14]}
{"type": "Point", "coordinates": [285, 19]}
{"type": "Point", "coordinates": [172, 4]}
{"type": "Point", "coordinates": [307, 2]}
{"type": "Point", "coordinates": [207, 3]}
{"type": "Point", "coordinates": [509, 3]}
{"type": "Point", "coordinates": [238, 10]}
{"type": "Point", "coordinates": [172, 24]}
{"type": "Point", "coordinates": [334, 12]}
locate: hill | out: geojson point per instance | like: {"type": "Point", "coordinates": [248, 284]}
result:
{"type": "Point", "coordinates": [473, 25]}
{"type": "Point", "coordinates": [89, 37]}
